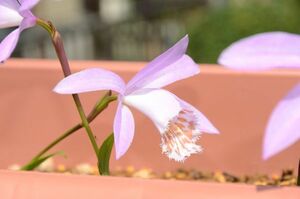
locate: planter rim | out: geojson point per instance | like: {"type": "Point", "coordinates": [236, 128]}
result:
{"type": "Point", "coordinates": [134, 66]}
{"type": "Point", "coordinates": [29, 184]}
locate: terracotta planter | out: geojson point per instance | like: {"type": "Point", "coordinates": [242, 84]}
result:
{"type": "Point", "coordinates": [239, 105]}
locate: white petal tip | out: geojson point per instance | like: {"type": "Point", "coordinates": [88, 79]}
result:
{"type": "Point", "coordinates": [266, 156]}
{"type": "Point", "coordinates": [213, 131]}
{"type": "Point", "coordinates": [119, 155]}
{"type": "Point", "coordinates": [186, 37]}
{"type": "Point", "coordinates": [55, 90]}
{"type": "Point", "coordinates": [184, 153]}
{"type": "Point", "coordinates": [58, 90]}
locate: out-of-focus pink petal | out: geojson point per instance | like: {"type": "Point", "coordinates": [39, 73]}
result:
{"type": "Point", "coordinates": [13, 4]}
{"type": "Point", "coordinates": [283, 128]}
{"type": "Point", "coordinates": [9, 17]}
{"type": "Point", "coordinates": [93, 79]}
{"type": "Point", "coordinates": [27, 13]}
{"type": "Point", "coordinates": [157, 67]}
{"type": "Point", "coordinates": [9, 43]}
{"type": "Point", "coordinates": [263, 51]}
{"type": "Point", "coordinates": [123, 129]}
{"type": "Point", "coordinates": [27, 4]}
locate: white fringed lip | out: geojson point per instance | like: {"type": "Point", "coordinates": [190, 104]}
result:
{"type": "Point", "coordinates": [179, 139]}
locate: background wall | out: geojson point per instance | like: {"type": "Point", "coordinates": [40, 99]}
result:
{"type": "Point", "coordinates": [141, 29]}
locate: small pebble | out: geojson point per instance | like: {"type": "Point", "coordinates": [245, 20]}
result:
{"type": "Point", "coordinates": [275, 177]}
{"type": "Point", "coordinates": [95, 170]}
{"type": "Point", "coordinates": [144, 173]}
{"type": "Point", "coordinates": [219, 177]}
{"type": "Point", "coordinates": [180, 176]}
{"type": "Point", "coordinates": [14, 167]}
{"type": "Point", "coordinates": [84, 168]}
{"type": "Point", "coordinates": [260, 183]}
{"type": "Point", "coordinates": [289, 182]}
{"type": "Point", "coordinates": [61, 168]}
{"type": "Point", "coordinates": [130, 170]}
{"type": "Point", "coordinates": [230, 178]}
{"type": "Point", "coordinates": [168, 175]}
{"type": "Point", "coordinates": [195, 175]}
{"type": "Point", "coordinates": [47, 166]}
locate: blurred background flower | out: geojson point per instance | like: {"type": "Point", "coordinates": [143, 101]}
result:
{"type": "Point", "coordinates": [141, 29]}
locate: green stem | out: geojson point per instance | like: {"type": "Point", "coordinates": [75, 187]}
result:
{"type": "Point", "coordinates": [85, 123]}
{"type": "Point", "coordinates": [60, 52]}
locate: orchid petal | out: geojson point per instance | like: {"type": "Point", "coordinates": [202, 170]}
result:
{"type": "Point", "coordinates": [27, 4]}
{"type": "Point", "coordinates": [13, 4]}
{"type": "Point", "coordinates": [123, 129]}
{"type": "Point", "coordinates": [167, 68]}
{"type": "Point", "coordinates": [93, 79]}
{"type": "Point", "coordinates": [9, 43]}
{"type": "Point", "coordinates": [283, 127]}
{"type": "Point", "coordinates": [183, 68]}
{"type": "Point", "coordinates": [9, 17]}
{"type": "Point", "coordinates": [263, 51]}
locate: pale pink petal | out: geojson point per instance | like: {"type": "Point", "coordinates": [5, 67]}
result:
{"type": "Point", "coordinates": [13, 4]}
{"type": "Point", "coordinates": [263, 51]}
{"type": "Point", "coordinates": [183, 68]}
{"type": "Point", "coordinates": [9, 17]}
{"type": "Point", "coordinates": [93, 79]}
{"type": "Point", "coordinates": [167, 68]}
{"type": "Point", "coordinates": [123, 129]}
{"type": "Point", "coordinates": [283, 128]}
{"type": "Point", "coordinates": [27, 4]}
{"type": "Point", "coordinates": [26, 13]}
{"type": "Point", "coordinates": [9, 43]}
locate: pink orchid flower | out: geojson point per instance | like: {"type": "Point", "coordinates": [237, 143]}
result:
{"type": "Point", "coordinates": [15, 13]}
{"type": "Point", "coordinates": [179, 123]}
{"type": "Point", "coordinates": [266, 51]}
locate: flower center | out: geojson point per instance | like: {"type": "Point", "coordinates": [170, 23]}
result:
{"type": "Point", "coordinates": [178, 140]}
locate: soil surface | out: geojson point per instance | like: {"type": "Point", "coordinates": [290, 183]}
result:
{"type": "Point", "coordinates": [286, 178]}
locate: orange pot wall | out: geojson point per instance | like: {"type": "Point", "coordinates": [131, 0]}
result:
{"type": "Point", "coordinates": [239, 105]}
{"type": "Point", "coordinates": [48, 186]}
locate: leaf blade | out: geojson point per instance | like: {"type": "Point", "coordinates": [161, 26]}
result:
{"type": "Point", "coordinates": [104, 154]}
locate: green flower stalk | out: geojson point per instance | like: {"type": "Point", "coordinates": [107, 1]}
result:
{"type": "Point", "coordinates": [100, 106]}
